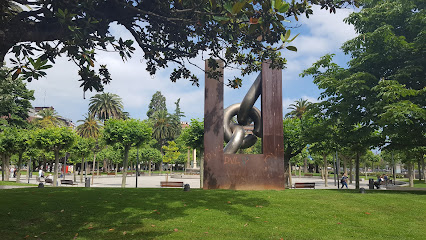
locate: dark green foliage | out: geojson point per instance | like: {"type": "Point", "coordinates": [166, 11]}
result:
{"type": "Point", "coordinates": [14, 101]}
{"type": "Point", "coordinates": [239, 32]}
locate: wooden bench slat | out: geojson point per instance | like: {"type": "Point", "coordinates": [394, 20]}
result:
{"type": "Point", "coordinates": [171, 184]}
{"type": "Point", "coordinates": [304, 185]}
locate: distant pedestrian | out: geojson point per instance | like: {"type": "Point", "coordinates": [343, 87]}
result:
{"type": "Point", "coordinates": [344, 180]}
{"type": "Point", "coordinates": [40, 173]}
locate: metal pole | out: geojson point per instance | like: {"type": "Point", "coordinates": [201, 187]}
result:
{"type": "Point", "coordinates": [137, 166]}
{"type": "Point", "coordinates": [338, 170]}
{"type": "Point", "coordinates": [334, 172]}
{"type": "Point", "coordinates": [29, 171]}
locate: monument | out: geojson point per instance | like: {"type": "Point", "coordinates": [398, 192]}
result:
{"type": "Point", "coordinates": [223, 169]}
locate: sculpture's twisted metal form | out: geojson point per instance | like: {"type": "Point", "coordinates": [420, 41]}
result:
{"type": "Point", "coordinates": [246, 113]}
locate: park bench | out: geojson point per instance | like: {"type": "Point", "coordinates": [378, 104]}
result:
{"type": "Point", "coordinates": [171, 184]}
{"type": "Point", "coordinates": [304, 185]}
{"type": "Point", "coordinates": [309, 175]}
{"type": "Point", "coordinates": [48, 180]}
{"type": "Point", "coordinates": [111, 173]}
{"type": "Point", "coordinates": [67, 182]}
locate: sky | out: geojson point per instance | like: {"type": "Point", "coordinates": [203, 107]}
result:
{"type": "Point", "coordinates": [322, 33]}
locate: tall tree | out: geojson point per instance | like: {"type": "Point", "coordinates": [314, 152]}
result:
{"type": "Point", "coordinates": [129, 133]}
{"type": "Point", "coordinates": [390, 48]}
{"type": "Point", "coordinates": [54, 139]}
{"type": "Point", "coordinates": [14, 101]}
{"type": "Point", "coordinates": [177, 118]}
{"type": "Point", "coordinates": [163, 128]}
{"type": "Point", "coordinates": [48, 118]}
{"type": "Point", "coordinates": [248, 32]}
{"type": "Point", "coordinates": [105, 106]}
{"type": "Point", "coordinates": [157, 104]}
{"type": "Point", "coordinates": [298, 108]}
{"type": "Point", "coordinates": [90, 128]}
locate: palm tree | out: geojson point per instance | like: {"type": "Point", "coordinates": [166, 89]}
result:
{"type": "Point", "coordinates": [106, 106]}
{"type": "Point", "coordinates": [49, 118]}
{"type": "Point", "coordinates": [299, 108]}
{"type": "Point", "coordinates": [163, 127]}
{"type": "Point", "coordinates": [90, 127]}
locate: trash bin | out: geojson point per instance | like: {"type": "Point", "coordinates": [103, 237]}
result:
{"type": "Point", "coordinates": [87, 182]}
{"type": "Point", "coordinates": [371, 183]}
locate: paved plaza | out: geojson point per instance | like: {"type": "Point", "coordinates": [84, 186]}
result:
{"type": "Point", "coordinates": [192, 180]}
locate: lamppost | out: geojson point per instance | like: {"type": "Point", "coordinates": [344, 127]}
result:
{"type": "Point", "coordinates": [137, 166]}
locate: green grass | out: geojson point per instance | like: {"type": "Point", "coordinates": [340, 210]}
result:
{"type": "Point", "coordinates": [16, 184]}
{"type": "Point", "coordinates": [95, 213]}
{"type": "Point", "coordinates": [417, 183]}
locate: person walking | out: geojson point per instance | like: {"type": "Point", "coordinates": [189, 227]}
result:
{"type": "Point", "coordinates": [344, 180]}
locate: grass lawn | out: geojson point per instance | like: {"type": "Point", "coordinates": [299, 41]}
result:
{"type": "Point", "coordinates": [16, 184]}
{"type": "Point", "coordinates": [96, 213]}
{"type": "Point", "coordinates": [417, 183]}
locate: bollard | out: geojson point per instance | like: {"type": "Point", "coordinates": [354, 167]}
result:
{"type": "Point", "coordinates": [41, 185]}
{"type": "Point", "coordinates": [87, 182]}
{"type": "Point", "coordinates": [362, 190]}
{"type": "Point", "coordinates": [371, 183]}
{"type": "Point", "coordinates": [186, 187]}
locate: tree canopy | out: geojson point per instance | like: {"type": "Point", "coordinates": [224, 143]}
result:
{"type": "Point", "coordinates": [168, 31]}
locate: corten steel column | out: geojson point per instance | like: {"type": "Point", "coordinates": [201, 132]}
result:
{"type": "Point", "coordinates": [245, 171]}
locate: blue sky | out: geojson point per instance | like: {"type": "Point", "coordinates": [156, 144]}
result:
{"type": "Point", "coordinates": [322, 33]}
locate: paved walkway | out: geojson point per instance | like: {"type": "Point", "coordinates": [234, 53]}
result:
{"type": "Point", "coordinates": [192, 180]}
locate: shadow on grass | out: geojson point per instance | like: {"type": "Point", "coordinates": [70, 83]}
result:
{"type": "Point", "coordinates": [104, 213]}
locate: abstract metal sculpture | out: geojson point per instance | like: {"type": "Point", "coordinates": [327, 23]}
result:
{"type": "Point", "coordinates": [222, 168]}
{"type": "Point", "coordinates": [246, 113]}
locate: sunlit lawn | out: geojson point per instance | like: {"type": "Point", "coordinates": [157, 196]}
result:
{"type": "Point", "coordinates": [417, 183]}
{"type": "Point", "coordinates": [96, 213]}
{"type": "Point", "coordinates": [9, 183]}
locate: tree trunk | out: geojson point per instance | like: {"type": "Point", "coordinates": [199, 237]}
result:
{"type": "Point", "coordinates": [290, 180]}
{"type": "Point", "coordinates": [365, 169]}
{"type": "Point", "coordinates": [116, 169]}
{"type": "Point", "coordinates": [149, 167]}
{"type": "Point", "coordinates": [324, 157]}
{"type": "Point", "coordinates": [18, 171]}
{"type": "Point", "coordinates": [188, 161]}
{"type": "Point", "coordinates": [300, 171]}
{"type": "Point", "coordinates": [99, 164]}
{"type": "Point", "coordinates": [126, 156]}
{"type": "Point", "coordinates": [351, 174]}
{"type": "Point", "coordinates": [81, 169]}
{"type": "Point", "coordinates": [75, 172]}
{"type": "Point", "coordinates": [28, 170]}
{"type": "Point", "coordinates": [7, 167]}
{"type": "Point", "coordinates": [105, 166]}
{"type": "Point", "coordinates": [305, 165]}
{"type": "Point", "coordinates": [419, 170]}
{"type": "Point", "coordinates": [93, 167]}
{"type": "Point", "coordinates": [345, 165]}
{"type": "Point", "coordinates": [356, 171]}
{"type": "Point", "coordinates": [423, 167]}
{"type": "Point", "coordinates": [55, 176]}
{"type": "Point", "coordinates": [201, 170]}
{"type": "Point", "coordinates": [3, 163]}
{"type": "Point", "coordinates": [286, 171]}
{"type": "Point", "coordinates": [410, 167]}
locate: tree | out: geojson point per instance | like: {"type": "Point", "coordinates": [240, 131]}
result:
{"type": "Point", "coordinates": [177, 117]}
{"type": "Point", "coordinates": [54, 139]}
{"type": "Point", "coordinates": [150, 155]}
{"type": "Point", "coordinates": [171, 153]}
{"type": "Point", "coordinates": [163, 128]}
{"type": "Point", "coordinates": [348, 105]}
{"type": "Point", "coordinates": [14, 101]}
{"type": "Point", "coordinates": [157, 104]}
{"type": "Point", "coordinates": [390, 49]}
{"type": "Point", "coordinates": [298, 108]}
{"type": "Point", "coordinates": [90, 128]}
{"type": "Point", "coordinates": [248, 32]}
{"type": "Point", "coordinates": [129, 133]}
{"type": "Point", "coordinates": [81, 150]}
{"type": "Point", "coordinates": [193, 136]}
{"type": "Point", "coordinates": [105, 106]}
{"type": "Point", "coordinates": [48, 118]}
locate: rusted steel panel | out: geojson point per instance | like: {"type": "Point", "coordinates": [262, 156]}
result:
{"type": "Point", "coordinates": [245, 171]}
{"type": "Point", "coordinates": [213, 129]}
